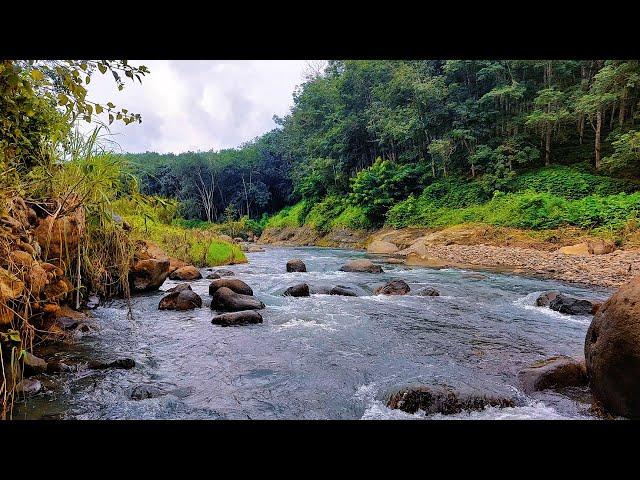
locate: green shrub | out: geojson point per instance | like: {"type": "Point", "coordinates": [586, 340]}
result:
{"type": "Point", "coordinates": [293, 216]}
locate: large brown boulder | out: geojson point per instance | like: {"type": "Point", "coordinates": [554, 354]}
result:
{"type": "Point", "coordinates": [237, 318]}
{"type": "Point", "coordinates": [182, 298]}
{"type": "Point", "coordinates": [148, 274]}
{"type": "Point", "coordinates": [361, 265]}
{"type": "Point", "coordinates": [234, 284]}
{"type": "Point", "coordinates": [443, 400]}
{"type": "Point", "coordinates": [553, 373]}
{"type": "Point", "coordinates": [226, 300]}
{"type": "Point", "coordinates": [612, 352]}
{"type": "Point", "coordinates": [188, 272]}
{"type": "Point", "coordinates": [394, 287]}
{"type": "Point", "coordinates": [382, 247]}
{"type": "Point", "coordinates": [296, 265]}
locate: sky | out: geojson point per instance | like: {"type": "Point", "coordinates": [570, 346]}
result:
{"type": "Point", "coordinates": [199, 104]}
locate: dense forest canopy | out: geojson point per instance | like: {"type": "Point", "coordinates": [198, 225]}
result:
{"type": "Point", "coordinates": [371, 133]}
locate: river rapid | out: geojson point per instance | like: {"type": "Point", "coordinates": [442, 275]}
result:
{"type": "Point", "coordinates": [322, 357]}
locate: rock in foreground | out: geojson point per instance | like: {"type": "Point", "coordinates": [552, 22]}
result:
{"type": "Point", "coordinates": [237, 318]}
{"type": "Point", "coordinates": [234, 284]}
{"type": "Point", "coordinates": [442, 400]}
{"type": "Point", "coordinates": [300, 290]}
{"type": "Point", "coordinates": [612, 352]}
{"type": "Point", "coordinates": [361, 265]}
{"type": "Point", "coordinates": [226, 300]}
{"type": "Point", "coordinates": [394, 287]}
{"type": "Point", "coordinates": [296, 265]}
{"type": "Point", "coordinates": [553, 373]}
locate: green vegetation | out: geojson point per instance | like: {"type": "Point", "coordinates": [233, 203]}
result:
{"type": "Point", "coordinates": [403, 142]}
{"type": "Point", "coordinates": [195, 242]}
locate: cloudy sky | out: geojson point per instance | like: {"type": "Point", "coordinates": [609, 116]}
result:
{"type": "Point", "coordinates": [200, 105]}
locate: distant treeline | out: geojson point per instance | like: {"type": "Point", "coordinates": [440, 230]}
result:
{"type": "Point", "coordinates": [371, 133]}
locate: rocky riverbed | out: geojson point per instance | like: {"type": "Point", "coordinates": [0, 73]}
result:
{"type": "Point", "coordinates": [349, 350]}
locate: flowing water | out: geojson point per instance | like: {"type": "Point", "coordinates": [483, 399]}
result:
{"type": "Point", "coordinates": [322, 357]}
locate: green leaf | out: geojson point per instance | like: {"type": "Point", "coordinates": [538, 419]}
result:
{"type": "Point", "coordinates": [36, 75]}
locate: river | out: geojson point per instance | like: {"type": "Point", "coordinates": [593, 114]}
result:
{"type": "Point", "coordinates": [322, 357]}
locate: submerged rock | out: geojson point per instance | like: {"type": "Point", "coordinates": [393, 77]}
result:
{"type": "Point", "coordinates": [142, 392]}
{"type": "Point", "coordinates": [56, 366]}
{"type": "Point", "coordinates": [361, 265]}
{"type": "Point", "coordinates": [225, 299]}
{"type": "Point", "coordinates": [121, 363]}
{"type": "Point", "coordinates": [92, 303]}
{"type": "Point", "coordinates": [212, 276]}
{"type": "Point", "coordinates": [443, 400]}
{"type": "Point", "coordinates": [237, 318]}
{"type": "Point", "coordinates": [428, 292]}
{"type": "Point", "coordinates": [394, 287]}
{"type": "Point", "coordinates": [188, 272]}
{"type": "Point", "coordinates": [235, 284]}
{"type": "Point", "coordinates": [180, 299]}
{"type": "Point", "coordinates": [296, 265]}
{"type": "Point", "coordinates": [612, 352]}
{"type": "Point", "coordinates": [300, 290]}
{"type": "Point", "coordinates": [572, 306]}
{"type": "Point", "coordinates": [223, 272]}
{"type": "Point", "coordinates": [553, 373]}
{"type": "Point", "coordinates": [28, 387]}
{"type": "Point", "coordinates": [343, 291]}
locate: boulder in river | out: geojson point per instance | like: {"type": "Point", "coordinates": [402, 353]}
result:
{"type": "Point", "coordinates": [361, 265]}
{"type": "Point", "coordinates": [296, 265]}
{"type": "Point", "coordinates": [121, 363]}
{"type": "Point", "coordinates": [572, 306]}
{"type": "Point", "coordinates": [234, 284]}
{"type": "Point", "coordinates": [394, 287]}
{"type": "Point", "coordinates": [428, 292]}
{"type": "Point", "coordinates": [33, 365]}
{"type": "Point", "coordinates": [553, 373]}
{"type": "Point", "coordinates": [212, 276]}
{"type": "Point", "coordinates": [148, 274]}
{"type": "Point", "coordinates": [180, 299]}
{"type": "Point", "coordinates": [299, 290]}
{"type": "Point", "coordinates": [342, 291]}
{"type": "Point", "coordinates": [237, 318]}
{"type": "Point", "coordinates": [443, 400]}
{"type": "Point", "coordinates": [225, 299]}
{"type": "Point", "coordinates": [223, 272]}
{"type": "Point", "coordinates": [612, 352]}
{"type": "Point", "coordinates": [188, 272]}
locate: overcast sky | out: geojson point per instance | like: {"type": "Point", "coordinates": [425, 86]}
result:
{"type": "Point", "coordinates": [200, 105]}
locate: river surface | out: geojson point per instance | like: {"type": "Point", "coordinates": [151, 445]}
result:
{"type": "Point", "coordinates": [322, 357]}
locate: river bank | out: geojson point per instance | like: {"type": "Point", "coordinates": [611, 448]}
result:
{"type": "Point", "coordinates": [564, 255]}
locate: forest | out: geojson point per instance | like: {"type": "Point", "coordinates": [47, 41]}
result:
{"type": "Point", "coordinates": [524, 143]}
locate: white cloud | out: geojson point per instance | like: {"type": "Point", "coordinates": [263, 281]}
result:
{"type": "Point", "coordinates": [200, 105]}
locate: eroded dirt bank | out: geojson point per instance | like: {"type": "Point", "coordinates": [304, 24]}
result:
{"type": "Point", "coordinates": [568, 257]}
